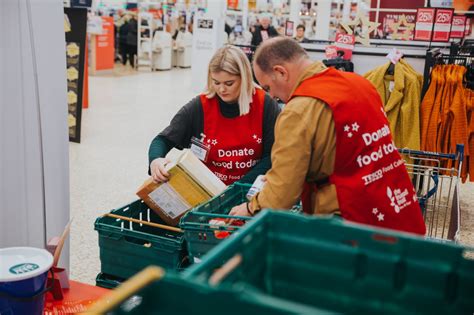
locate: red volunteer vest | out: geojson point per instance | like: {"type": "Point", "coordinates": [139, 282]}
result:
{"type": "Point", "coordinates": [372, 184]}
{"type": "Point", "coordinates": [236, 143]}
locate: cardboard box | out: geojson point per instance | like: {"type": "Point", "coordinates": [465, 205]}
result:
{"type": "Point", "coordinates": [190, 184]}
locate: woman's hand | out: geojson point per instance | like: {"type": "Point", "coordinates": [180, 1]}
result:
{"type": "Point", "coordinates": [158, 170]}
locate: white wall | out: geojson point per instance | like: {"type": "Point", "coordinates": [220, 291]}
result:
{"type": "Point", "coordinates": [34, 167]}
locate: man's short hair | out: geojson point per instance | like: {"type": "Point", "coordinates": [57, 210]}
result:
{"type": "Point", "coordinates": [301, 26]}
{"type": "Point", "coordinates": [277, 51]}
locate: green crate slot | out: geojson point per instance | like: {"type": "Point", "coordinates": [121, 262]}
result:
{"type": "Point", "coordinates": [198, 232]}
{"type": "Point", "coordinates": [107, 281]}
{"type": "Point", "coordinates": [344, 267]}
{"type": "Point", "coordinates": [173, 295]}
{"type": "Point", "coordinates": [126, 247]}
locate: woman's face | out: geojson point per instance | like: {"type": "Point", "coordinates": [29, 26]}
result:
{"type": "Point", "coordinates": [226, 85]}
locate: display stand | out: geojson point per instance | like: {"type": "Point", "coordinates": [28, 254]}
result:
{"type": "Point", "coordinates": [162, 46]}
{"type": "Point", "coordinates": [76, 35]}
{"type": "Point", "coordinates": [208, 36]}
{"type": "Point", "coordinates": [103, 48]}
{"type": "Point", "coordinates": [144, 45]}
{"type": "Point", "coordinates": [184, 45]}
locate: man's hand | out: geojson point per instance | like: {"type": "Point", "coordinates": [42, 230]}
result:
{"type": "Point", "coordinates": [240, 211]}
{"type": "Point", "coordinates": [158, 171]}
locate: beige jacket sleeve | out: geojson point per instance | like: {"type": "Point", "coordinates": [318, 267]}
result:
{"type": "Point", "coordinates": [304, 149]}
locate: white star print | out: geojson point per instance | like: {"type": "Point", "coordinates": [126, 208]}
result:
{"type": "Point", "coordinates": [255, 136]}
{"type": "Point", "coordinates": [259, 140]}
{"type": "Point", "coordinates": [347, 128]}
{"type": "Point", "coordinates": [414, 197]}
{"type": "Point", "coordinates": [208, 140]}
{"type": "Point", "coordinates": [355, 127]}
{"type": "Point", "coordinates": [375, 210]}
{"type": "Point", "coordinates": [349, 134]}
{"type": "Point", "coordinates": [214, 142]}
{"type": "Point", "coordinates": [380, 217]}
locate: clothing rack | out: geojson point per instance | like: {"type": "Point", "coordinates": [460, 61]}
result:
{"type": "Point", "coordinates": [435, 57]}
{"type": "Point", "coordinates": [466, 48]}
{"type": "Point", "coordinates": [339, 64]}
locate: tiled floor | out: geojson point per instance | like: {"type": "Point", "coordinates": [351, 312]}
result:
{"type": "Point", "coordinates": [127, 109]}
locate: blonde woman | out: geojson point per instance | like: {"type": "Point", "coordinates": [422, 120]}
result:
{"type": "Point", "coordinates": [233, 118]}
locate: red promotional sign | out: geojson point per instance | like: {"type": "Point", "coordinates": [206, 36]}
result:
{"type": "Point", "coordinates": [104, 45]}
{"type": "Point", "coordinates": [424, 23]}
{"type": "Point", "coordinates": [468, 27]}
{"type": "Point", "coordinates": [232, 4]}
{"type": "Point", "coordinates": [442, 27]}
{"type": "Point", "coordinates": [458, 26]}
{"type": "Point", "coordinates": [331, 52]}
{"type": "Point", "coordinates": [345, 42]}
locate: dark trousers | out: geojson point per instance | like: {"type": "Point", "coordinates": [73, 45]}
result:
{"type": "Point", "coordinates": [123, 53]}
{"type": "Point", "coordinates": [132, 52]}
{"type": "Point", "coordinates": [128, 52]}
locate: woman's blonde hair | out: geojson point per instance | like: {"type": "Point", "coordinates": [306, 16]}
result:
{"type": "Point", "coordinates": [233, 61]}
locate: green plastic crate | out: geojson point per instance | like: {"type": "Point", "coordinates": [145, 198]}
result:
{"type": "Point", "coordinates": [174, 295]}
{"type": "Point", "coordinates": [344, 267]}
{"type": "Point", "coordinates": [127, 247]}
{"type": "Point", "coordinates": [198, 232]}
{"type": "Point", "coordinates": [108, 282]}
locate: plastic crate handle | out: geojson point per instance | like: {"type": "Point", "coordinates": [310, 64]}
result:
{"type": "Point", "coordinates": [127, 289]}
{"type": "Point", "coordinates": [221, 273]}
{"type": "Point", "coordinates": [156, 225]}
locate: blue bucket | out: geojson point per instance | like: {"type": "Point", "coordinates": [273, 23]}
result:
{"type": "Point", "coordinates": [23, 275]}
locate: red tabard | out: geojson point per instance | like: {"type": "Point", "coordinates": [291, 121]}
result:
{"type": "Point", "coordinates": [236, 143]}
{"type": "Point", "coordinates": [372, 184]}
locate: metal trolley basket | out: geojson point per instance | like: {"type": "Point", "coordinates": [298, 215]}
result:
{"type": "Point", "coordinates": [435, 177]}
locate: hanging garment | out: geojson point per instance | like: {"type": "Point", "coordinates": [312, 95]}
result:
{"type": "Point", "coordinates": [455, 113]}
{"type": "Point", "coordinates": [430, 111]}
{"type": "Point", "coordinates": [468, 164]}
{"type": "Point", "coordinates": [400, 96]}
{"type": "Point", "coordinates": [446, 115]}
{"type": "Point", "coordinates": [370, 177]}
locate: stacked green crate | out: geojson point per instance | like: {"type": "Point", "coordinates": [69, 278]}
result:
{"type": "Point", "coordinates": [347, 268]}
{"type": "Point", "coordinates": [174, 295]}
{"type": "Point", "coordinates": [127, 247]}
{"type": "Point", "coordinates": [200, 234]}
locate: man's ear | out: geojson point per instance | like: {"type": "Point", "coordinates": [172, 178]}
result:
{"type": "Point", "coordinates": [281, 71]}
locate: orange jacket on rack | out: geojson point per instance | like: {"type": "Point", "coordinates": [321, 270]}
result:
{"type": "Point", "coordinates": [468, 164]}
{"type": "Point", "coordinates": [401, 100]}
{"type": "Point", "coordinates": [445, 119]}
{"type": "Point", "coordinates": [470, 113]}
{"type": "Point", "coordinates": [455, 121]}
{"type": "Point", "coordinates": [430, 111]}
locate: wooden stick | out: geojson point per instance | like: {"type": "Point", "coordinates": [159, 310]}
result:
{"type": "Point", "coordinates": [126, 289]}
{"type": "Point", "coordinates": [59, 248]}
{"type": "Point", "coordinates": [222, 272]}
{"type": "Point", "coordinates": [160, 226]}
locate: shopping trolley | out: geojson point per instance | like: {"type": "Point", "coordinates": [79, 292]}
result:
{"type": "Point", "coordinates": [435, 177]}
